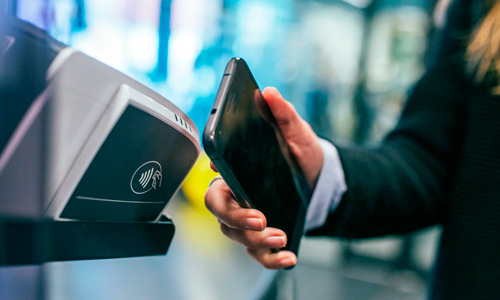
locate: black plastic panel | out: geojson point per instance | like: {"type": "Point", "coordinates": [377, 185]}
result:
{"type": "Point", "coordinates": [136, 171]}
{"type": "Point", "coordinates": [36, 242]}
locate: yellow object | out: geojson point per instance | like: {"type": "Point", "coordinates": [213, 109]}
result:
{"type": "Point", "coordinates": [201, 231]}
{"type": "Point", "coordinates": [195, 224]}
{"type": "Point", "coordinates": [197, 181]}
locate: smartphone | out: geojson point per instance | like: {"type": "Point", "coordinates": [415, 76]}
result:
{"type": "Point", "coordinates": [244, 142]}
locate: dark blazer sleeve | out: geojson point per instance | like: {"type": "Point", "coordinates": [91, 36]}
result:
{"type": "Point", "coordinates": [403, 184]}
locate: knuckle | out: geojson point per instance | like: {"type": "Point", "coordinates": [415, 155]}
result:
{"type": "Point", "coordinates": [252, 254]}
{"type": "Point", "coordinates": [252, 243]}
{"type": "Point", "coordinates": [209, 203]}
{"type": "Point", "coordinates": [246, 239]}
{"type": "Point", "coordinates": [260, 256]}
{"type": "Point", "coordinates": [253, 239]}
{"type": "Point", "coordinates": [267, 264]}
{"type": "Point", "coordinates": [224, 229]}
{"type": "Point", "coordinates": [233, 219]}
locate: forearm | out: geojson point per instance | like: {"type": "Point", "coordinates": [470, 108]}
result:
{"type": "Point", "coordinates": [392, 189]}
{"type": "Point", "coordinates": [403, 184]}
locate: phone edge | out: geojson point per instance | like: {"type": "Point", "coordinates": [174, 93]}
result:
{"type": "Point", "coordinates": [209, 138]}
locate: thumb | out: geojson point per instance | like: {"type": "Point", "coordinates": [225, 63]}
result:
{"type": "Point", "coordinates": [283, 111]}
{"type": "Point", "coordinates": [298, 134]}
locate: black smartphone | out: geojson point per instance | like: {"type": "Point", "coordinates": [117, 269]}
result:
{"type": "Point", "coordinates": [244, 142]}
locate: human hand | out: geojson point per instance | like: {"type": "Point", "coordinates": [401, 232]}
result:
{"type": "Point", "coordinates": [248, 226]}
{"type": "Point", "coordinates": [298, 134]}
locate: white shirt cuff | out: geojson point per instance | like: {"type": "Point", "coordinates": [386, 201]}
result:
{"type": "Point", "coordinates": [329, 188]}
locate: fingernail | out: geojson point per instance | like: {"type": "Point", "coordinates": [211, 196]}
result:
{"type": "Point", "coordinates": [275, 242]}
{"type": "Point", "coordinates": [287, 262]}
{"type": "Point", "coordinates": [253, 224]}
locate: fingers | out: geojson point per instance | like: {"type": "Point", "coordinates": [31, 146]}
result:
{"type": "Point", "coordinates": [286, 117]}
{"type": "Point", "coordinates": [220, 202]}
{"type": "Point", "coordinates": [278, 260]}
{"type": "Point", "coordinates": [269, 238]}
{"type": "Point", "coordinates": [248, 227]}
{"type": "Point", "coordinates": [298, 134]}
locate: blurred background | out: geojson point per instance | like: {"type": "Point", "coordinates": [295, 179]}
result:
{"type": "Point", "coordinates": [346, 66]}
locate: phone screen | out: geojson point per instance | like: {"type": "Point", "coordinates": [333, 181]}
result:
{"type": "Point", "coordinates": [256, 154]}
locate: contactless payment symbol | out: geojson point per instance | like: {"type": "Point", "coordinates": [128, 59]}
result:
{"type": "Point", "coordinates": [147, 177]}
